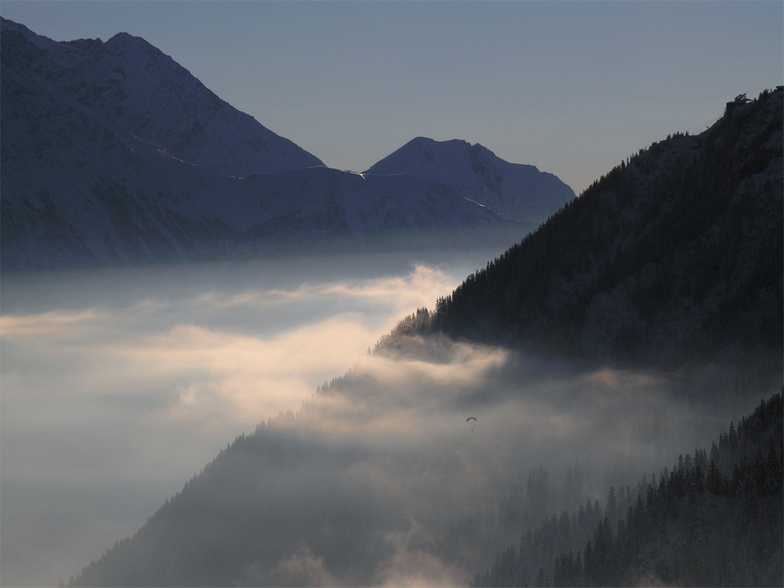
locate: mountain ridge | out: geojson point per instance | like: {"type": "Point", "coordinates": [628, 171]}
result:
{"type": "Point", "coordinates": [477, 171]}
{"type": "Point", "coordinates": [672, 256]}
{"type": "Point", "coordinates": [703, 210]}
{"type": "Point", "coordinates": [126, 79]}
{"type": "Point", "coordinates": [113, 154]}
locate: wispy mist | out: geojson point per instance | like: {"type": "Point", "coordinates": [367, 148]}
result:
{"type": "Point", "coordinates": [119, 387]}
{"type": "Point", "coordinates": [395, 428]}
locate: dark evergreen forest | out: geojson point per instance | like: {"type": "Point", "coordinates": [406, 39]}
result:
{"type": "Point", "coordinates": [673, 257]}
{"type": "Point", "coordinates": [713, 519]}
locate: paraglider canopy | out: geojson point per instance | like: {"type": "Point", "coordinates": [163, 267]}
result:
{"type": "Point", "coordinates": [471, 419]}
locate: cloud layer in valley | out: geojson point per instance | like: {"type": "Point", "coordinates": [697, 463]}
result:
{"type": "Point", "coordinates": [115, 395]}
{"type": "Point", "coordinates": [391, 461]}
{"type": "Point", "coordinates": [120, 385]}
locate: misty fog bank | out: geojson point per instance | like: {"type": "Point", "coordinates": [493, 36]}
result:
{"type": "Point", "coordinates": [119, 384]}
{"type": "Point", "coordinates": [378, 479]}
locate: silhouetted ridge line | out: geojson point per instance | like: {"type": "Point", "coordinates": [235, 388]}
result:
{"type": "Point", "coordinates": [673, 256]}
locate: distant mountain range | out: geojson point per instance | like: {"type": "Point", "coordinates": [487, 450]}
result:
{"type": "Point", "coordinates": [112, 154]}
{"type": "Point", "coordinates": [520, 192]}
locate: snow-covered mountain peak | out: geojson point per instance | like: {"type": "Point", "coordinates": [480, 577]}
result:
{"type": "Point", "coordinates": [123, 38]}
{"type": "Point", "coordinates": [423, 156]}
{"type": "Point", "coordinates": [110, 152]}
{"type": "Point", "coordinates": [516, 191]}
{"type": "Point", "coordinates": [9, 26]}
{"type": "Point", "coordinates": [145, 93]}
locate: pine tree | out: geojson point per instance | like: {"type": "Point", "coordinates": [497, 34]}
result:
{"type": "Point", "coordinates": [715, 483]}
{"type": "Point", "coordinates": [773, 470]}
{"type": "Point", "coordinates": [697, 540]}
{"type": "Point", "coordinates": [611, 510]}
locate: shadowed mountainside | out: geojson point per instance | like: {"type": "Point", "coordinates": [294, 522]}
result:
{"type": "Point", "coordinates": [714, 519]}
{"type": "Point", "coordinates": [672, 257]}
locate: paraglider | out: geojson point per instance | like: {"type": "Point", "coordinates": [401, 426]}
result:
{"type": "Point", "coordinates": [471, 419]}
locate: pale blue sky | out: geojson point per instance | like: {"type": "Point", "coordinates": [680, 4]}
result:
{"type": "Point", "coordinates": [571, 87]}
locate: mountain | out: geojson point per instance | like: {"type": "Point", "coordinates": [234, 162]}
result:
{"type": "Point", "coordinates": [715, 519]}
{"type": "Point", "coordinates": [516, 191]}
{"type": "Point", "coordinates": [373, 481]}
{"type": "Point", "coordinates": [672, 257]}
{"type": "Point", "coordinates": [281, 507]}
{"type": "Point", "coordinates": [133, 91]}
{"type": "Point", "coordinates": [112, 154]}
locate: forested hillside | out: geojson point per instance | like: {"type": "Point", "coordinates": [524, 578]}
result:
{"type": "Point", "coordinates": [672, 257]}
{"type": "Point", "coordinates": [286, 505]}
{"type": "Point", "coordinates": [714, 519]}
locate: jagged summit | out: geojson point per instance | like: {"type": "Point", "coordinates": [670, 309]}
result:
{"type": "Point", "coordinates": [145, 92]}
{"type": "Point", "coordinates": [113, 154]}
{"type": "Point", "coordinates": [514, 190]}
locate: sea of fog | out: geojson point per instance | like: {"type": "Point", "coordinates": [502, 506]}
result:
{"type": "Point", "coordinates": [118, 386]}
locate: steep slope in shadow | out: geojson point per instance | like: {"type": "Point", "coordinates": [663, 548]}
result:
{"type": "Point", "coordinates": [673, 256]}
